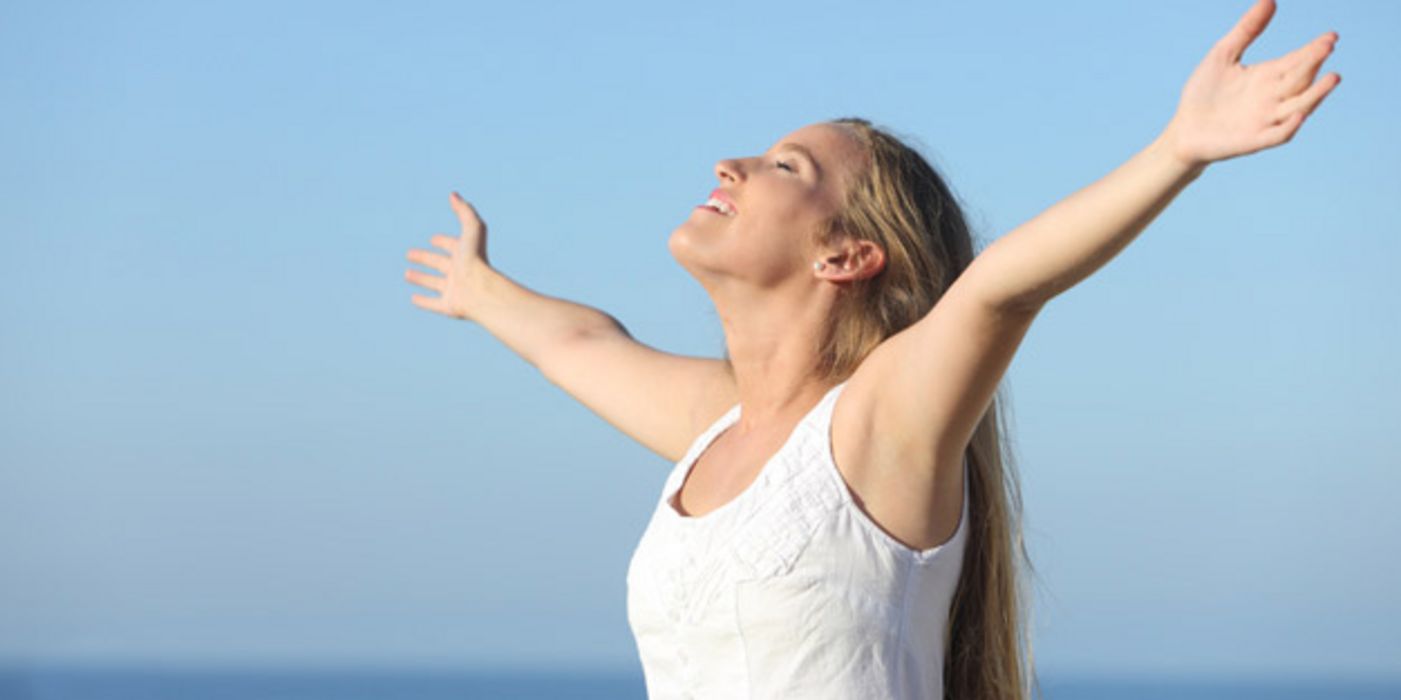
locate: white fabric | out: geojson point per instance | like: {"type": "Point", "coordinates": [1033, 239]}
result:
{"type": "Point", "coordinates": [789, 590]}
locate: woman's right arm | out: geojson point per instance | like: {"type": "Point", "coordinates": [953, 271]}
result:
{"type": "Point", "coordinates": [660, 399]}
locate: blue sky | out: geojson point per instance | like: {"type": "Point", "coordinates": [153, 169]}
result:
{"type": "Point", "coordinates": [228, 437]}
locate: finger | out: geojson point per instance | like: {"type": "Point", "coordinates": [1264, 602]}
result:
{"type": "Point", "coordinates": [1281, 132]}
{"type": "Point", "coordinates": [1306, 102]}
{"type": "Point", "coordinates": [424, 279]}
{"type": "Point", "coordinates": [1301, 74]}
{"type": "Point", "coordinates": [447, 243]}
{"type": "Point", "coordinates": [433, 260]}
{"type": "Point", "coordinates": [1231, 46]}
{"type": "Point", "coordinates": [466, 213]}
{"type": "Point", "coordinates": [1303, 54]}
{"type": "Point", "coordinates": [430, 303]}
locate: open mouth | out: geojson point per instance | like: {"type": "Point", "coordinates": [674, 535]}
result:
{"type": "Point", "coordinates": [719, 206]}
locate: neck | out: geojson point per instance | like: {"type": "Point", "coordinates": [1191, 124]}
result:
{"type": "Point", "coordinates": [772, 346]}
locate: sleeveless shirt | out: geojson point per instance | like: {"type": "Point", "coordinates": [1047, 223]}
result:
{"type": "Point", "coordinates": [789, 590]}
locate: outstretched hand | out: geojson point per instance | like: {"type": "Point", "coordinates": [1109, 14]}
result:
{"type": "Point", "coordinates": [1229, 109]}
{"type": "Point", "coordinates": [462, 262]}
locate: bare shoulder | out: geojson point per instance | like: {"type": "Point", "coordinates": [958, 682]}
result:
{"type": "Point", "coordinates": [853, 424]}
{"type": "Point", "coordinates": [924, 390]}
{"type": "Point", "coordinates": [900, 484]}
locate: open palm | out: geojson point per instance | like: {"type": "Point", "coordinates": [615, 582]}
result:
{"type": "Point", "coordinates": [1229, 109]}
{"type": "Point", "coordinates": [461, 263]}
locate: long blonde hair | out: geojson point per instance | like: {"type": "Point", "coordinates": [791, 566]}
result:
{"type": "Point", "coordinates": [902, 204]}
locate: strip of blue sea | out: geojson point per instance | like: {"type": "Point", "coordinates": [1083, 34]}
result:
{"type": "Point", "coordinates": [88, 683]}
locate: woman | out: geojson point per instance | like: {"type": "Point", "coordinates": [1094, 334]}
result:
{"type": "Point", "coordinates": [841, 514]}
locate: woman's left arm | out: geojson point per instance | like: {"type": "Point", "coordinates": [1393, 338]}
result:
{"type": "Point", "coordinates": [936, 378]}
{"type": "Point", "coordinates": [1226, 110]}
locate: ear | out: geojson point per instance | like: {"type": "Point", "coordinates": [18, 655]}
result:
{"type": "Point", "coordinates": [852, 260]}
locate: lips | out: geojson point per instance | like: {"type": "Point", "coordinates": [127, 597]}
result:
{"type": "Point", "coordinates": [721, 195]}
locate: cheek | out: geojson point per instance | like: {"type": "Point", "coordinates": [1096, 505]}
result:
{"type": "Point", "coordinates": [774, 244]}
{"type": "Point", "coordinates": [796, 224]}
{"type": "Point", "coordinates": [792, 211]}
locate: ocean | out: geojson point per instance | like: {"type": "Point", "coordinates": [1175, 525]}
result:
{"type": "Point", "coordinates": [63, 683]}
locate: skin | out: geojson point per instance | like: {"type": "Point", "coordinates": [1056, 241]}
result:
{"type": "Point", "coordinates": [902, 425]}
{"type": "Point", "coordinates": [757, 267]}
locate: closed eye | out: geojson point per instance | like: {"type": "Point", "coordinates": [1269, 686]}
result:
{"type": "Point", "coordinates": [786, 166]}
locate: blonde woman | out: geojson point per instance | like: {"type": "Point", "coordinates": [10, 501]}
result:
{"type": "Point", "coordinates": [841, 520]}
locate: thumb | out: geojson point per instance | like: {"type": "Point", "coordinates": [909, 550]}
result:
{"type": "Point", "coordinates": [1246, 29]}
{"type": "Point", "coordinates": [466, 213]}
{"type": "Point", "coordinates": [473, 228]}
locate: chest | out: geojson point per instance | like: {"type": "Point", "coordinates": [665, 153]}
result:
{"type": "Point", "coordinates": [901, 487]}
{"type": "Point", "coordinates": [903, 492]}
{"type": "Point", "coordinates": [723, 470]}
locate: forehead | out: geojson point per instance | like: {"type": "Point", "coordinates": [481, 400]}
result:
{"type": "Point", "coordinates": [837, 148]}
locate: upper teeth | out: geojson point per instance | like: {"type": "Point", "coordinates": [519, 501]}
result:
{"type": "Point", "coordinates": [721, 205]}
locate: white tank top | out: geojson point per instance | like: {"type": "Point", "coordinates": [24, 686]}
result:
{"type": "Point", "coordinates": [789, 590]}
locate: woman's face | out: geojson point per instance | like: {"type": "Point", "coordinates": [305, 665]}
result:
{"type": "Point", "coordinates": [775, 204]}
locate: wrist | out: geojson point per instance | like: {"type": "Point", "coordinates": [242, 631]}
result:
{"type": "Point", "coordinates": [1169, 149]}
{"type": "Point", "coordinates": [483, 288]}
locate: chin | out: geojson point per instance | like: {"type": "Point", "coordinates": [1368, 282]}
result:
{"type": "Point", "coordinates": [679, 245]}
{"type": "Point", "coordinates": [681, 241]}
{"type": "Point", "coordinates": [682, 246]}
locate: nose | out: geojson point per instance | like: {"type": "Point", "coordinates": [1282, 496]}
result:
{"type": "Point", "coordinates": [728, 170]}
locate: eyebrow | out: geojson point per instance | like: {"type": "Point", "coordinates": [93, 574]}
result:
{"type": "Point", "coordinates": [803, 150]}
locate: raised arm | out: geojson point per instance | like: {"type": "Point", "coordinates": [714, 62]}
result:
{"type": "Point", "coordinates": [1226, 110]}
{"type": "Point", "coordinates": [470, 288]}
{"type": "Point", "coordinates": [937, 378]}
{"type": "Point", "coordinates": [660, 399]}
